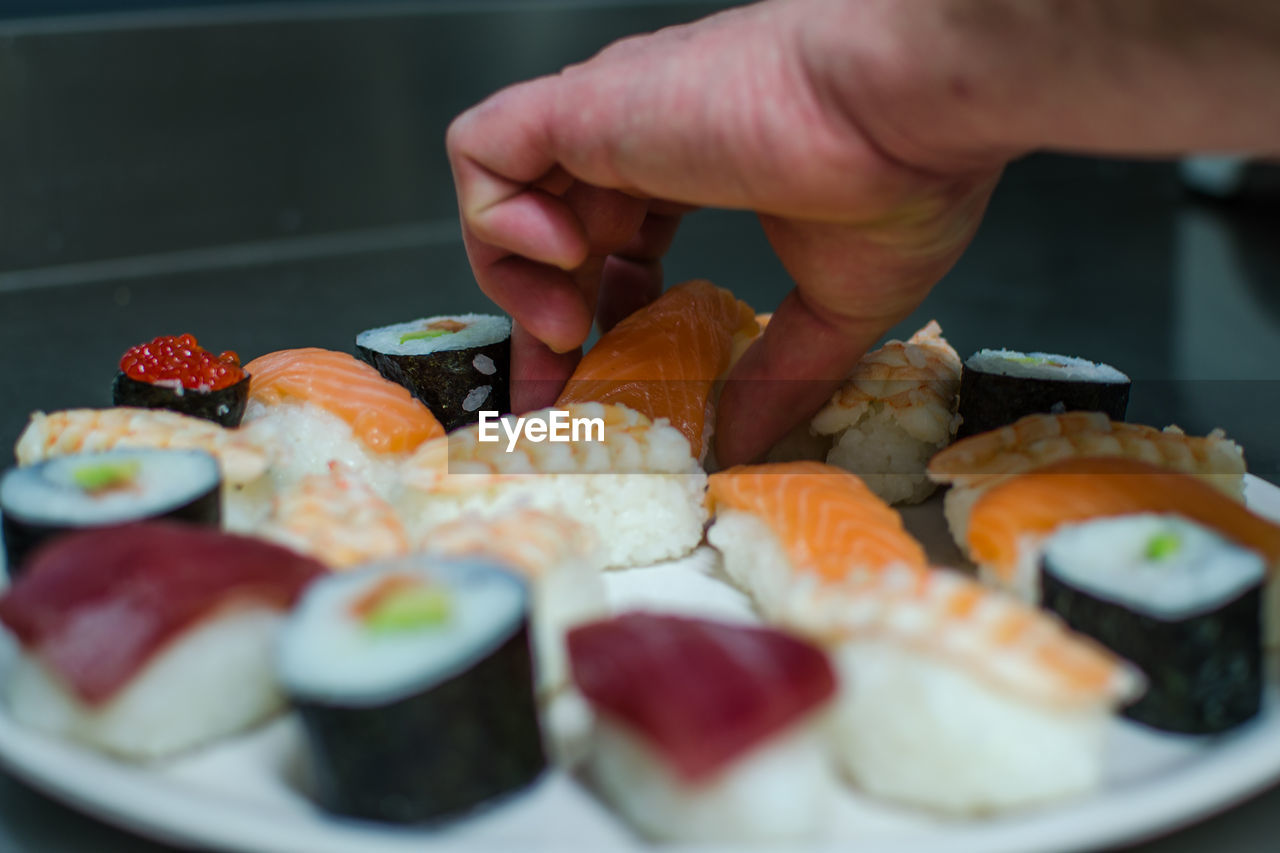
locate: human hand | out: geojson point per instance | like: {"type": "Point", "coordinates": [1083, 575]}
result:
{"type": "Point", "coordinates": [571, 187]}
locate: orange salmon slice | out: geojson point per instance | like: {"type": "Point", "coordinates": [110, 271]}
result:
{"type": "Point", "coordinates": [382, 414]}
{"type": "Point", "coordinates": [827, 519]}
{"type": "Point", "coordinates": [1036, 503]}
{"type": "Point", "coordinates": [663, 360]}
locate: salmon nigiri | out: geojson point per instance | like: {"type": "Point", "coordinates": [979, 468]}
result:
{"type": "Point", "coordinates": [664, 359]}
{"type": "Point", "coordinates": [775, 520]}
{"type": "Point", "coordinates": [972, 464]}
{"type": "Point", "coordinates": [945, 681]}
{"type": "Point", "coordinates": [382, 414]}
{"type": "Point", "coordinates": [1011, 519]}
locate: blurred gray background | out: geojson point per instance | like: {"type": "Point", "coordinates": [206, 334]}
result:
{"type": "Point", "coordinates": [270, 175]}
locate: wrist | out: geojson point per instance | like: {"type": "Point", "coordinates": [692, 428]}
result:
{"type": "Point", "coordinates": [949, 85]}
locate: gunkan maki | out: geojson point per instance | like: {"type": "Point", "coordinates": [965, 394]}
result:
{"type": "Point", "coordinates": [997, 387]}
{"type": "Point", "coordinates": [458, 365]}
{"type": "Point", "coordinates": [174, 372]}
{"type": "Point", "coordinates": [1176, 600]}
{"type": "Point", "coordinates": [414, 686]}
{"type": "Point", "coordinates": [87, 490]}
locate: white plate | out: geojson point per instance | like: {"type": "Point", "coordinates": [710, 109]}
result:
{"type": "Point", "coordinates": [240, 795]}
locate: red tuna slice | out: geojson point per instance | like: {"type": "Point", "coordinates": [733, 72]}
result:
{"type": "Point", "coordinates": [701, 693]}
{"type": "Point", "coordinates": [95, 607]}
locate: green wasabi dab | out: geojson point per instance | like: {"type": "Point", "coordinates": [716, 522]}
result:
{"type": "Point", "coordinates": [104, 476]}
{"type": "Point", "coordinates": [422, 335]}
{"type": "Point", "coordinates": [1036, 361]}
{"type": "Point", "coordinates": [409, 610]}
{"type": "Point", "coordinates": [1163, 545]}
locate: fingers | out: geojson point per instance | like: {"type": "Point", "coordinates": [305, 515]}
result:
{"type": "Point", "coordinates": [632, 275]}
{"type": "Point", "coordinates": [554, 305]}
{"type": "Point", "coordinates": [546, 301]}
{"type": "Point", "coordinates": [784, 377]}
{"type": "Point", "coordinates": [537, 373]}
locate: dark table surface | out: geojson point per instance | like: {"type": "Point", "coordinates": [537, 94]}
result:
{"type": "Point", "coordinates": [266, 181]}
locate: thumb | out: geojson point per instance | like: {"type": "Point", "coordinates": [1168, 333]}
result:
{"type": "Point", "coordinates": [785, 376]}
{"type": "Point", "coordinates": [853, 284]}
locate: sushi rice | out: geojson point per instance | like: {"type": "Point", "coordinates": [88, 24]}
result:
{"type": "Point", "coordinates": [777, 793]}
{"type": "Point", "coordinates": [639, 491]}
{"type": "Point", "coordinates": [222, 671]}
{"type": "Point", "coordinates": [944, 683]}
{"type": "Point", "coordinates": [479, 330]}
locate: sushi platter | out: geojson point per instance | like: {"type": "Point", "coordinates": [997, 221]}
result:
{"type": "Point", "coordinates": [243, 795]}
{"type": "Point", "coordinates": [307, 603]}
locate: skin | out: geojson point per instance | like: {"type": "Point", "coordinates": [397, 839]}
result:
{"type": "Point", "coordinates": [867, 135]}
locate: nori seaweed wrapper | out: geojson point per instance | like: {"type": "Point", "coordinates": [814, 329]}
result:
{"type": "Point", "coordinates": [224, 407]}
{"type": "Point", "coordinates": [991, 400]}
{"type": "Point", "coordinates": [444, 380]}
{"type": "Point", "coordinates": [22, 537]}
{"type": "Point", "coordinates": [435, 754]}
{"type": "Point", "coordinates": [1204, 672]}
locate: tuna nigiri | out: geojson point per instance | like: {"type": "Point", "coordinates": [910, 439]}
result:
{"type": "Point", "coordinates": [664, 359]}
{"type": "Point", "coordinates": [147, 639]}
{"type": "Point", "coordinates": [703, 729]}
{"type": "Point", "coordinates": [959, 698]}
{"type": "Point", "coordinates": [974, 463]}
{"type": "Point", "coordinates": [1011, 519]}
{"type": "Point", "coordinates": [776, 521]}
{"type": "Point", "coordinates": [632, 482]}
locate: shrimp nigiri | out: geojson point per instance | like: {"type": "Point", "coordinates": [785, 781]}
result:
{"type": "Point", "coordinates": [633, 482]}
{"type": "Point", "coordinates": [337, 518]}
{"type": "Point", "coordinates": [241, 459]}
{"type": "Point", "coordinates": [972, 464]}
{"type": "Point", "coordinates": [944, 683]}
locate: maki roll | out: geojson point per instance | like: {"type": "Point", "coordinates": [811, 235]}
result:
{"type": "Point", "coordinates": [1178, 601]}
{"type": "Point", "coordinates": [414, 686]}
{"type": "Point", "coordinates": [69, 493]}
{"type": "Point", "coordinates": [457, 365]}
{"type": "Point", "coordinates": [1011, 521]}
{"type": "Point", "coordinates": [557, 558]}
{"type": "Point", "coordinates": [144, 640]}
{"type": "Point", "coordinates": [174, 372]}
{"type": "Point", "coordinates": [705, 731]}
{"type": "Point", "coordinates": [998, 387]}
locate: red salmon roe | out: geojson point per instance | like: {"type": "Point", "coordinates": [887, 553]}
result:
{"type": "Point", "coordinates": [179, 359]}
